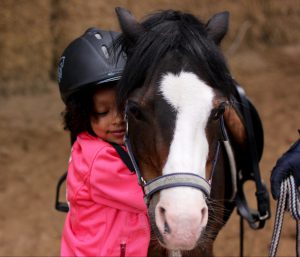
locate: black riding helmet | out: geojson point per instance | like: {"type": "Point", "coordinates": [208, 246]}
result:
{"type": "Point", "coordinates": [88, 61]}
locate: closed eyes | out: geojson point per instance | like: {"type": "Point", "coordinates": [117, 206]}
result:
{"type": "Point", "coordinates": [101, 113]}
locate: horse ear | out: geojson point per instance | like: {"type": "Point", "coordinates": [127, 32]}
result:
{"type": "Point", "coordinates": [130, 27]}
{"type": "Point", "coordinates": [217, 26]}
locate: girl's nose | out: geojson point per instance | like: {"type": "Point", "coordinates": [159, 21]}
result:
{"type": "Point", "coordinates": [118, 118]}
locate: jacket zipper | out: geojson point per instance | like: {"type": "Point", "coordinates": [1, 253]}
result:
{"type": "Point", "coordinates": [122, 249]}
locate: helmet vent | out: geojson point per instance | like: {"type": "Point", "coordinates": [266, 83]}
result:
{"type": "Point", "coordinates": [98, 36]}
{"type": "Point", "coordinates": [105, 51]}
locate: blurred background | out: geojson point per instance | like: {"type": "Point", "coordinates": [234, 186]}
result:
{"type": "Point", "coordinates": [263, 53]}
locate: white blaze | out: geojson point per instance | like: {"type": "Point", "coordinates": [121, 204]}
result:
{"type": "Point", "coordinates": [184, 208]}
{"type": "Point", "coordinates": [192, 99]}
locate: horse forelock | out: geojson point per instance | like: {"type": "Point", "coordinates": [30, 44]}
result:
{"type": "Point", "coordinates": [175, 33]}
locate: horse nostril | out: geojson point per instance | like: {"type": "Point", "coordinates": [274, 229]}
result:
{"type": "Point", "coordinates": [204, 216]}
{"type": "Point", "coordinates": [162, 211]}
{"type": "Point", "coordinates": [203, 212]}
{"type": "Point", "coordinates": [166, 227]}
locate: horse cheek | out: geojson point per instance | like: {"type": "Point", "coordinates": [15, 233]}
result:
{"type": "Point", "coordinates": [235, 127]}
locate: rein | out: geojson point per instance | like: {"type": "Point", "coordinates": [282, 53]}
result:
{"type": "Point", "coordinates": [288, 200]}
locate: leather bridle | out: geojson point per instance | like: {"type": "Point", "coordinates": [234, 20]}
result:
{"type": "Point", "coordinates": [184, 179]}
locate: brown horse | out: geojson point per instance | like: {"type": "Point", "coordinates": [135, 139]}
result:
{"type": "Point", "coordinates": [185, 135]}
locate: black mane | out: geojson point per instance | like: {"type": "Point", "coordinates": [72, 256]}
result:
{"type": "Point", "coordinates": [177, 33]}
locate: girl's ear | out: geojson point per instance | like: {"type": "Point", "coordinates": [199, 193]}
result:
{"type": "Point", "coordinates": [217, 26]}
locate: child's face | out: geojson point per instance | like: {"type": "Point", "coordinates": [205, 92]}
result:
{"type": "Point", "coordinates": [107, 122]}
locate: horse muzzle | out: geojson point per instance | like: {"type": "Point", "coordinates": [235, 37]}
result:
{"type": "Point", "coordinates": [178, 216]}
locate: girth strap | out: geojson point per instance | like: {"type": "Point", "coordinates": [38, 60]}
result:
{"type": "Point", "coordinates": [176, 180]}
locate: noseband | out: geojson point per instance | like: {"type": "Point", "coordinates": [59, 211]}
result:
{"type": "Point", "coordinates": [184, 179]}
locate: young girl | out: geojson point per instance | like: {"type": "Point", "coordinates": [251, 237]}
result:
{"type": "Point", "coordinates": [107, 215]}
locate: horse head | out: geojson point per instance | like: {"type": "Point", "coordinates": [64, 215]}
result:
{"type": "Point", "coordinates": [178, 95]}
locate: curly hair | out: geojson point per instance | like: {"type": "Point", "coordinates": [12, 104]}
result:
{"type": "Point", "coordinates": [80, 108]}
{"type": "Point", "coordinates": [76, 116]}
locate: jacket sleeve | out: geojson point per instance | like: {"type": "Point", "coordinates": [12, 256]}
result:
{"type": "Point", "coordinates": [113, 184]}
{"type": "Point", "coordinates": [287, 164]}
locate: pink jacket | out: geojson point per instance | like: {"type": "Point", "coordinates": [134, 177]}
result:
{"type": "Point", "coordinates": [107, 216]}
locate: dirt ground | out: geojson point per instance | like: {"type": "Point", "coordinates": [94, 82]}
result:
{"type": "Point", "coordinates": [34, 152]}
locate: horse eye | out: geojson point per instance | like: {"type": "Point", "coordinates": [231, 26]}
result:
{"type": "Point", "coordinates": [135, 111]}
{"type": "Point", "coordinates": [217, 112]}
